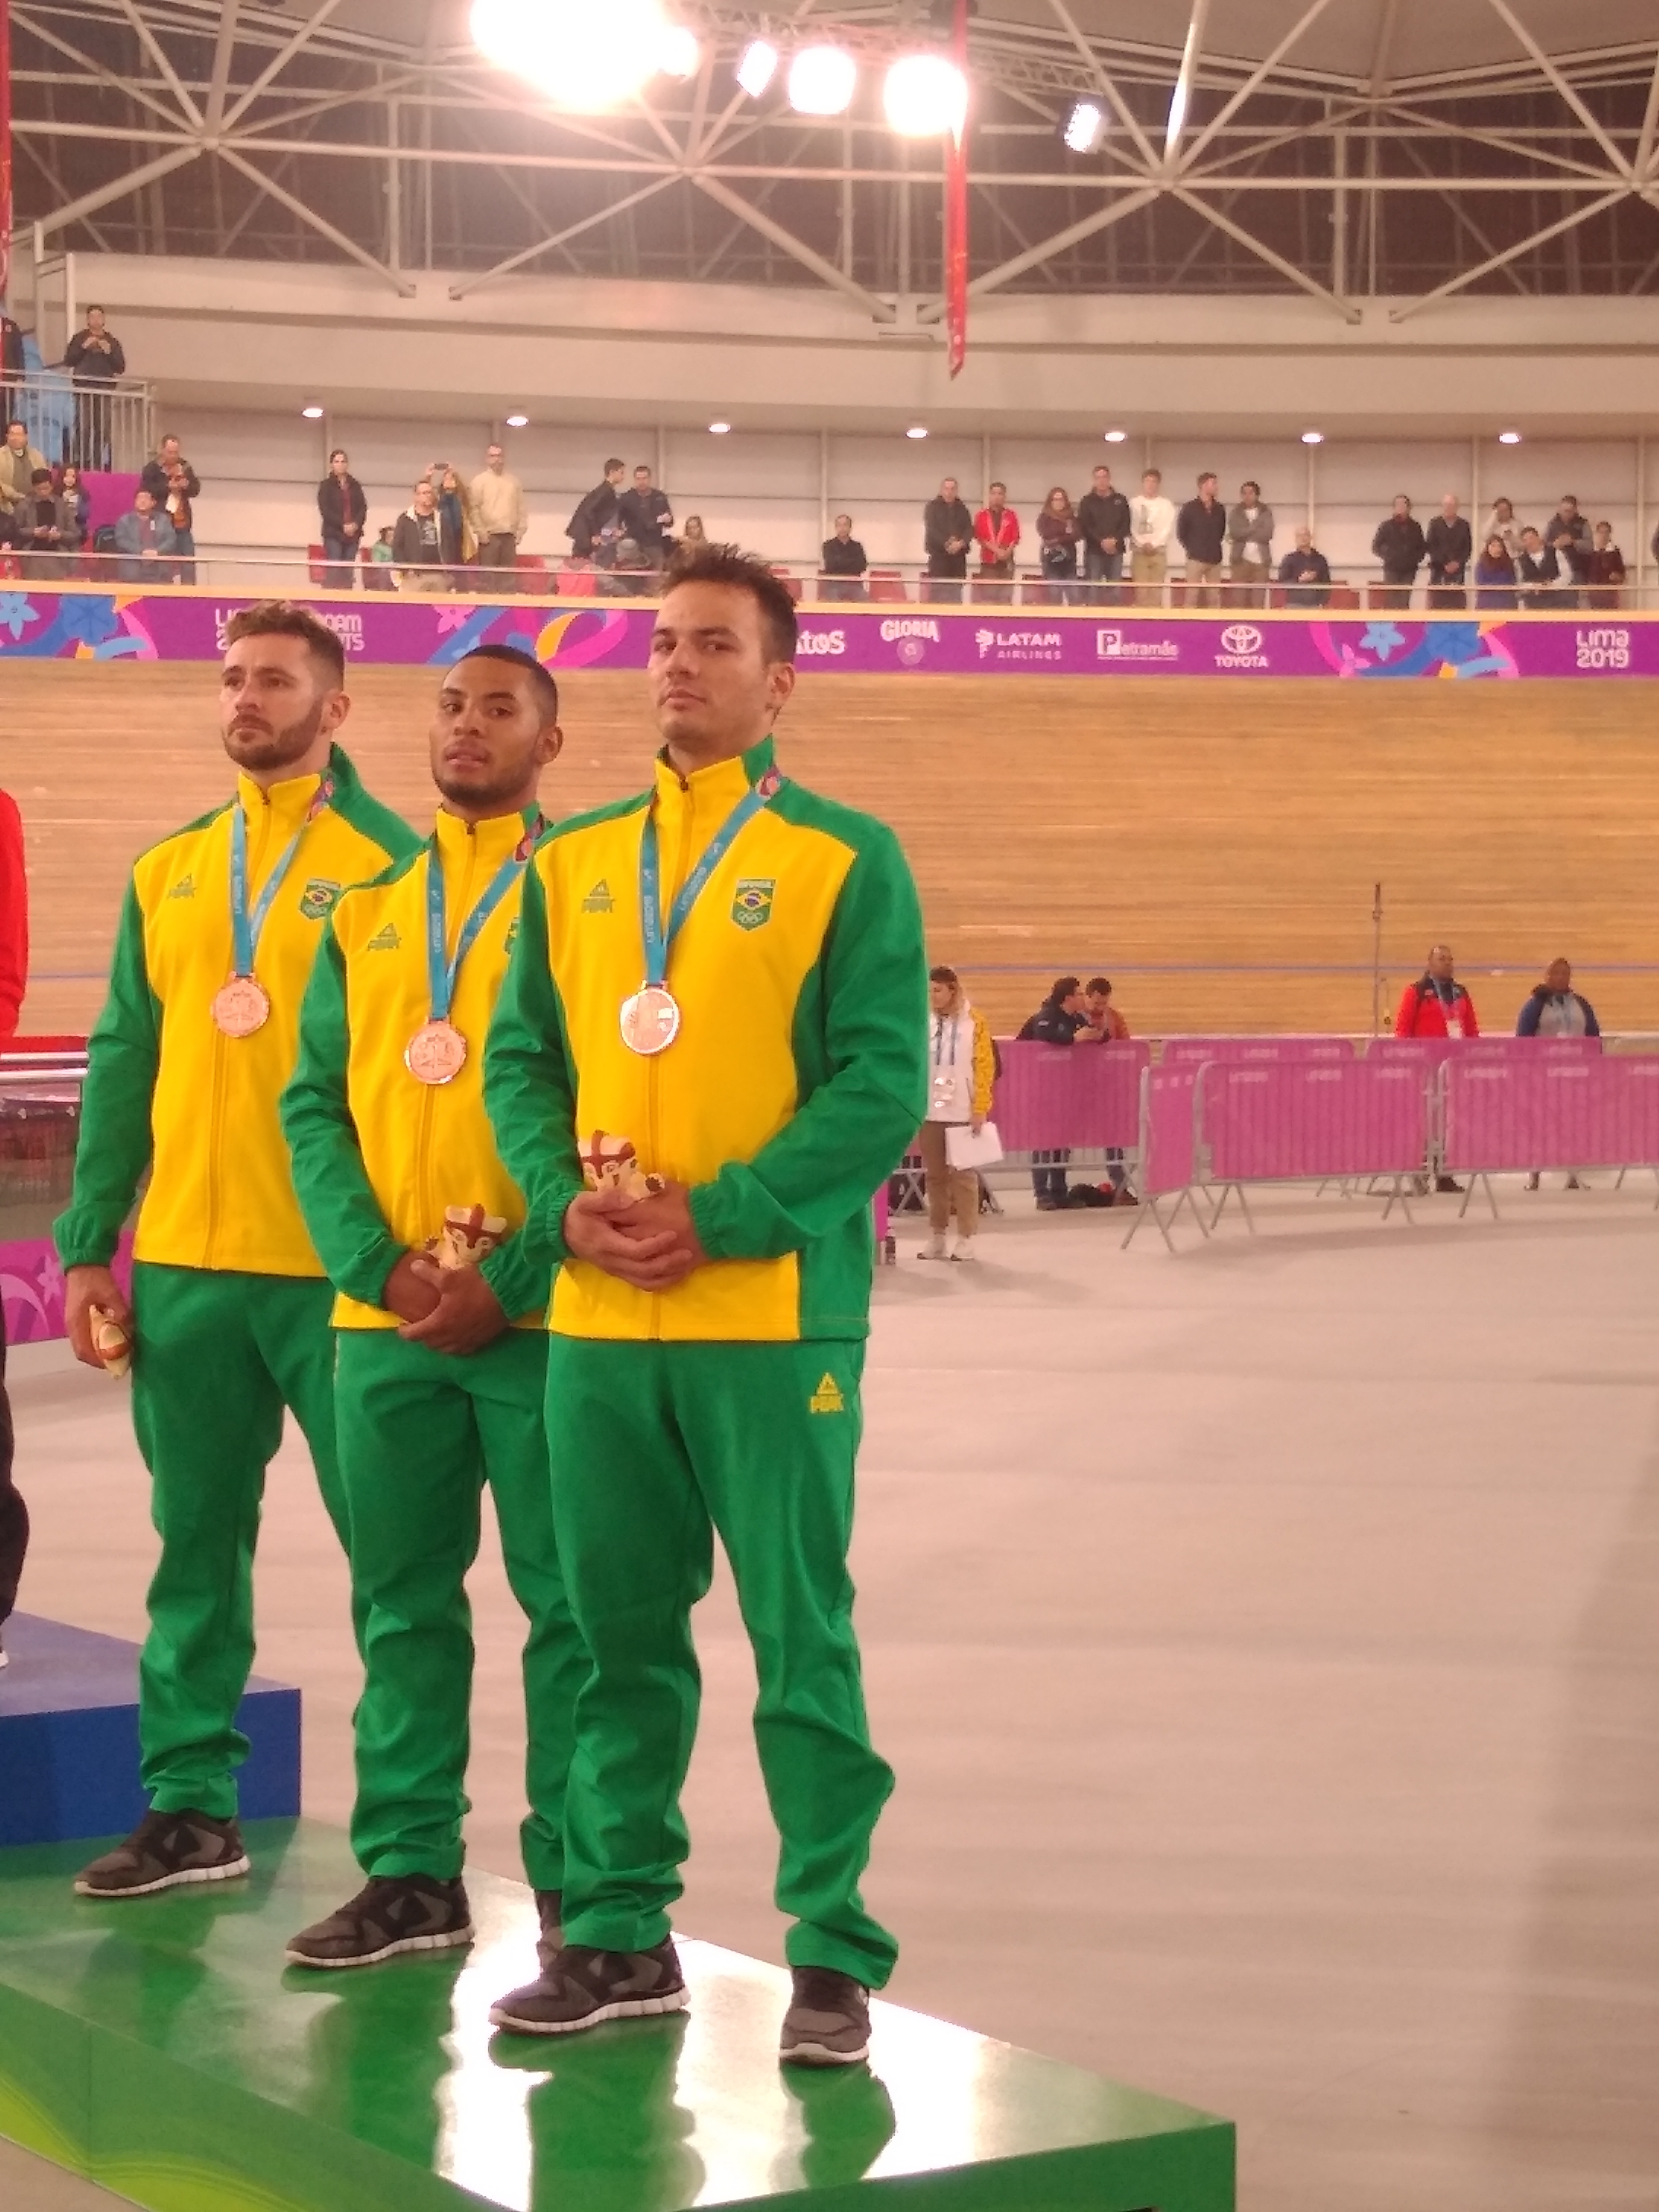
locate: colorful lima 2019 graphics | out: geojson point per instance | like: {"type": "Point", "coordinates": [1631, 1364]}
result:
{"type": "Point", "coordinates": [877, 640]}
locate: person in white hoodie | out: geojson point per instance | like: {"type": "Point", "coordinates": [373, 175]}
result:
{"type": "Point", "coordinates": [1151, 518]}
{"type": "Point", "coordinates": [961, 1070]}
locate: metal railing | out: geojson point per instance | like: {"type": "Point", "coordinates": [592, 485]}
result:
{"type": "Point", "coordinates": [84, 424]}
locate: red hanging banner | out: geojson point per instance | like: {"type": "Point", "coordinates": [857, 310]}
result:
{"type": "Point", "coordinates": [955, 209]}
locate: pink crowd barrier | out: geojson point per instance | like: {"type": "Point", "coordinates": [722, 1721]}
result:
{"type": "Point", "coordinates": [1549, 1109]}
{"type": "Point", "coordinates": [1306, 1122]}
{"type": "Point", "coordinates": [1052, 1097]}
{"type": "Point", "coordinates": [1255, 1051]}
{"type": "Point", "coordinates": [1433, 1052]}
{"type": "Point", "coordinates": [1165, 1167]}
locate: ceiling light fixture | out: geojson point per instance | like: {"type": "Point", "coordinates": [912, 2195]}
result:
{"type": "Point", "coordinates": [1313, 437]}
{"type": "Point", "coordinates": [925, 96]}
{"type": "Point", "coordinates": [312, 411]}
{"type": "Point", "coordinates": [517, 422]}
{"type": "Point", "coordinates": [757, 66]}
{"type": "Point", "coordinates": [577, 56]}
{"type": "Point", "coordinates": [718, 430]}
{"type": "Point", "coordinates": [1115, 437]}
{"type": "Point", "coordinates": [821, 80]}
{"type": "Point", "coordinates": [1085, 126]}
{"type": "Point", "coordinates": [917, 430]}
{"type": "Point", "coordinates": [1509, 437]}
{"type": "Point", "coordinates": [679, 54]}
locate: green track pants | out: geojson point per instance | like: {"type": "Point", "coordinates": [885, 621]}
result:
{"type": "Point", "coordinates": [217, 1357]}
{"type": "Point", "coordinates": [421, 1433]}
{"type": "Point", "coordinates": [654, 1447]}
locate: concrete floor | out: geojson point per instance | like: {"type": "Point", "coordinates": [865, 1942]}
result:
{"type": "Point", "coordinates": [1267, 1642]}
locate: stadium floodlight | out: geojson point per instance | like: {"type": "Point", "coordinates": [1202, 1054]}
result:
{"type": "Point", "coordinates": [1115, 437]}
{"type": "Point", "coordinates": [517, 422]}
{"type": "Point", "coordinates": [757, 66]}
{"type": "Point", "coordinates": [821, 80]}
{"type": "Point", "coordinates": [312, 411]}
{"type": "Point", "coordinates": [923, 96]}
{"type": "Point", "coordinates": [1509, 437]}
{"type": "Point", "coordinates": [578, 56]}
{"type": "Point", "coordinates": [1085, 126]}
{"type": "Point", "coordinates": [917, 430]}
{"type": "Point", "coordinates": [1313, 437]}
{"type": "Point", "coordinates": [679, 54]}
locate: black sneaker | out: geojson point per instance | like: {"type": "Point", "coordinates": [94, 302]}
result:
{"type": "Point", "coordinates": [583, 1987]}
{"type": "Point", "coordinates": [828, 2022]}
{"type": "Point", "coordinates": [393, 1913]}
{"type": "Point", "coordinates": [1448, 1186]}
{"type": "Point", "coordinates": [164, 1851]}
{"type": "Point", "coordinates": [549, 1907]}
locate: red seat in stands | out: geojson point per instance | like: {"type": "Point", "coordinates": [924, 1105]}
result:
{"type": "Point", "coordinates": [887, 584]}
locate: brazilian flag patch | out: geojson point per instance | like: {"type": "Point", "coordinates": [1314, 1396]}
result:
{"type": "Point", "coordinates": [751, 902]}
{"type": "Point", "coordinates": [318, 898]}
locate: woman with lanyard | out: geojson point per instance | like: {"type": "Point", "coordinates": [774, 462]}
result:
{"type": "Point", "coordinates": [439, 1320]}
{"type": "Point", "coordinates": [961, 1069]}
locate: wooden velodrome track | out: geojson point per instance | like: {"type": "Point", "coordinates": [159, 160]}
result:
{"type": "Point", "coordinates": [1211, 846]}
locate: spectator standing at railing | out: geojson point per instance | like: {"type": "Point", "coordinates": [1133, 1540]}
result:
{"type": "Point", "coordinates": [182, 515]}
{"type": "Point", "coordinates": [1538, 572]}
{"type": "Point", "coordinates": [1494, 577]}
{"type": "Point", "coordinates": [1437, 1005]}
{"type": "Point", "coordinates": [1501, 523]}
{"type": "Point", "coordinates": [342, 509]}
{"type": "Point", "coordinates": [1058, 532]}
{"type": "Point", "coordinates": [1448, 545]}
{"type": "Point", "coordinates": [19, 464]}
{"type": "Point", "coordinates": [417, 543]}
{"type": "Point", "coordinates": [500, 517]}
{"type": "Point", "coordinates": [1554, 1009]}
{"type": "Point", "coordinates": [94, 358]}
{"type": "Point", "coordinates": [1567, 534]}
{"type": "Point", "coordinates": [43, 531]}
{"type": "Point", "coordinates": [647, 515]}
{"type": "Point", "coordinates": [962, 1071]}
{"type": "Point", "coordinates": [1400, 547]}
{"type": "Point", "coordinates": [1250, 545]}
{"type": "Point", "coordinates": [144, 538]}
{"type": "Point", "coordinates": [1109, 1025]}
{"type": "Point", "coordinates": [947, 531]}
{"type": "Point", "coordinates": [1604, 570]}
{"type": "Point", "coordinates": [1306, 574]}
{"type": "Point", "coordinates": [593, 528]}
{"type": "Point", "coordinates": [1152, 520]}
{"type": "Point", "coordinates": [163, 466]}
{"type": "Point", "coordinates": [455, 530]}
{"type": "Point", "coordinates": [996, 533]}
{"type": "Point", "coordinates": [1103, 516]}
{"type": "Point", "coordinates": [692, 536]}
{"type": "Point", "coordinates": [14, 979]}
{"type": "Point", "coordinates": [1201, 526]}
{"type": "Point", "coordinates": [842, 564]}
{"type": "Point", "coordinates": [1056, 1021]}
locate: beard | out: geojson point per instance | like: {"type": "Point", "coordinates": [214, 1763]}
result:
{"type": "Point", "coordinates": [496, 790]}
{"type": "Point", "coordinates": [261, 745]}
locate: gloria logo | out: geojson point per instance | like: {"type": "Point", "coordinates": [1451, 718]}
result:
{"type": "Point", "coordinates": [818, 642]}
{"type": "Point", "coordinates": [1605, 648]}
{"type": "Point", "coordinates": [915, 626]}
{"type": "Point", "coordinates": [1121, 645]}
{"type": "Point", "coordinates": [1241, 645]}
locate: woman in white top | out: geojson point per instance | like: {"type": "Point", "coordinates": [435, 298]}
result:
{"type": "Point", "coordinates": [960, 1071]}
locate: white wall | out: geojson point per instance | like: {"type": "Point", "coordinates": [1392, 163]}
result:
{"type": "Point", "coordinates": [260, 472]}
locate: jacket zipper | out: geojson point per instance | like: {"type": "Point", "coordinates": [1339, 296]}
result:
{"type": "Point", "coordinates": [217, 1106]}
{"type": "Point", "coordinates": [671, 875]}
{"type": "Point", "coordinates": [430, 1207]}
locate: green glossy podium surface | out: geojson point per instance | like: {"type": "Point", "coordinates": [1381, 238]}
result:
{"type": "Point", "coordinates": [163, 2049]}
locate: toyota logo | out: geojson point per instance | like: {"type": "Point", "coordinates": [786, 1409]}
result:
{"type": "Point", "coordinates": [1241, 638]}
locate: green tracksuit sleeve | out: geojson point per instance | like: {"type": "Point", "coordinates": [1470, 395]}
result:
{"type": "Point", "coordinates": [860, 1039]}
{"type": "Point", "coordinates": [530, 1090]}
{"type": "Point", "coordinates": [330, 1180]}
{"type": "Point", "coordinates": [114, 1145]}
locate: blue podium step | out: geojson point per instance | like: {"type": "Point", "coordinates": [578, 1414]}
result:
{"type": "Point", "coordinates": [69, 1737]}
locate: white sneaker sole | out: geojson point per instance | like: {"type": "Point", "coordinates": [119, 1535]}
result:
{"type": "Point", "coordinates": [623, 2009]}
{"type": "Point", "coordinates": [819, 2054]}
{"type": "Point", "coordinates": [453, 1941]}
{"type": "Point", "coordinates": [186, 1877]}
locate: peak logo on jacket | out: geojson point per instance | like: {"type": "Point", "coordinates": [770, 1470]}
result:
{"type": "Point", "coordinates": [185, 888]}
{"type": "Point", "coordinates": [827, 1398]}
{"type": "Point", "coordinates": [598, 900]}
{"type": "Point", "coordinates": [386, 940]}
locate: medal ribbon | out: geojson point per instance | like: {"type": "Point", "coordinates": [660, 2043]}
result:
{"type": "Point", "coordinates": [441, 970]}
{"type": "Point", "coordinates": [658, 942]}
{"type": "Point", "coordinates": [244, 927]}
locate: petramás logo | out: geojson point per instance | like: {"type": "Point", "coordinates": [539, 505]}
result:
{"type": "Point", "coordinates": [1123, 645]}
{"type": "Point", "coordinates": [1605, 648]}
{"type": "Point", "coordinates": [821, 642]}
{"type": "Point", "coordinates": [1004, 645]}
{"type": "Point", "coordinates": [1241, 647]}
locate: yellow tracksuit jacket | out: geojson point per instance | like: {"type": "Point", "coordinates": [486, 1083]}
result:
{"type": "Point", "coordinates": [378, 1156]}
{"type": "Point", "coordinates": [165, 1089]}
{"type": "Point", "coordinates": [799, 1076]}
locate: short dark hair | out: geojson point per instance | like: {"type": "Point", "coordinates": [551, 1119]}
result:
{"type": "Point", "coordinates": [641, 468]}
{"type": "Point", "coordinates": [93, 308]}
{"type": "Point", "coordinates": [996, 484]}
{"type": "Point", "coordinates": [1096, 986]}
{"type": "Point", "coordinates": [546, 690]}
{"type": "Point", "coordinates": [40, 475]}
{"type": "Point", "coordinates": [613, 463]}
{"type": "Point", "coordinates": [1249, 484]}
{"type": "Point", "coordinates": [169, 438]}
{"type": "Point", "coordinates": [942, 975]}
{"type": "Point", "coordinates": [1565, 497]}
{"type": "Point", "coordinates": [1066, 986]}
{"type": "Point", "coordinates": [740, 571]}
{"type": "Point", "coordinates": [17, 423]}
{"type": "Point", "coordinates": [1159, 473]}
{"type": "Point", "coordinates": [283, 618]}
{"type": "Point", "coordinates": [338, 453]}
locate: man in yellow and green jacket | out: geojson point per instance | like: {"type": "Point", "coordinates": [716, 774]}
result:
{"type": "Point", "coordinates": [727, 974]}
{"type": "Point", "coordinates": [229, 1321]}
{"type": "Point", "coordinates": [441, 1370]}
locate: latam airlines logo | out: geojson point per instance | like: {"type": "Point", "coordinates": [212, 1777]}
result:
{"type": "Point", "coordinates": [912, 635]}
{"type": "Point", "coordinates": [1241, 647]}
{"type": "Point", "coordinates": [1004, 645]}
{"type": "Point", "coordinates": [1124, 645]}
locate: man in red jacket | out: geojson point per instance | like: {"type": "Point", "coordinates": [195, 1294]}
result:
{"type": "Point", "coordinates": [14, 974]}
{"type": "Point", "coordinates": [1436, 1006]}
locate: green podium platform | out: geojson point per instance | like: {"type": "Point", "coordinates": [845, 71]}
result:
{"type": "Point", "coordinates": [163, 2049]}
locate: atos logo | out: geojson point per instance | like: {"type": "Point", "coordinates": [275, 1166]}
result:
{"type": "Point", "coordinates": [1241, 638]}
{"type": "Point", "coordinates": [821, 642]}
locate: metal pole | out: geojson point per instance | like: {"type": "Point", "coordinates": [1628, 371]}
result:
{"type": "Point", "coordinates": [824, 483]}
{"type": "Point", "coordinates": [1312, 492]}
{"type": "Point", "coordinates": [5, 150]}
{"type": "Point", "coordinates": [1376, 960]}
{"type": "Point", "coordinates": [1641, 513]}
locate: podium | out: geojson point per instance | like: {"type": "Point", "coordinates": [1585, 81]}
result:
{"type": "Point", "coordinates": [69, 1737]}
{"type": "Point", "coordinates": [162, 2048]}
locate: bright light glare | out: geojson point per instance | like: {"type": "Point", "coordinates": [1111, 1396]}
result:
{"type": "Point", "coordinates": [925, 96]}
{"type": "Point", "coordinates": [678, 51]}
{"type": "Point", "coordinates": [579, 57]}
{"type": "Point", "coordinates": [1313, 437]}
{"type": "Point", "coordinates": [517, 422]}
{"type": "Point", "coordinates": [1085, 126]}
{"type": "Point", "coordinates": [757, 66]}
{"type": "Point", "coordinates": [917, 430]}
{"type": "Point", "coordinates": [313, 413]}
{"type": "Point", "coordinates": [1115, 437]}
{"type": "Point", "coordinates": [1509, 437]}
{"type": "Point", "coordinates": [821, 80]}
{"type": "Point", "coordinates": [718, 430]}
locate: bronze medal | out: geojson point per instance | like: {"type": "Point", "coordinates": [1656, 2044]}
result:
{"type": "Point", "coordinates": [436, 1052]}
{"type": "Point", "coordinates": [240, 1008]}
{"type": "Point", "coordinates": [650, 1019]}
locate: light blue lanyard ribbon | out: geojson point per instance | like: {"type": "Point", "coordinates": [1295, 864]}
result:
{"type": "Point", "coordinates": [658, 941]}
{"type": "Point", "coordinates": [245, 926]}
{"type": "Point", "coordinates": [441, 970]}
